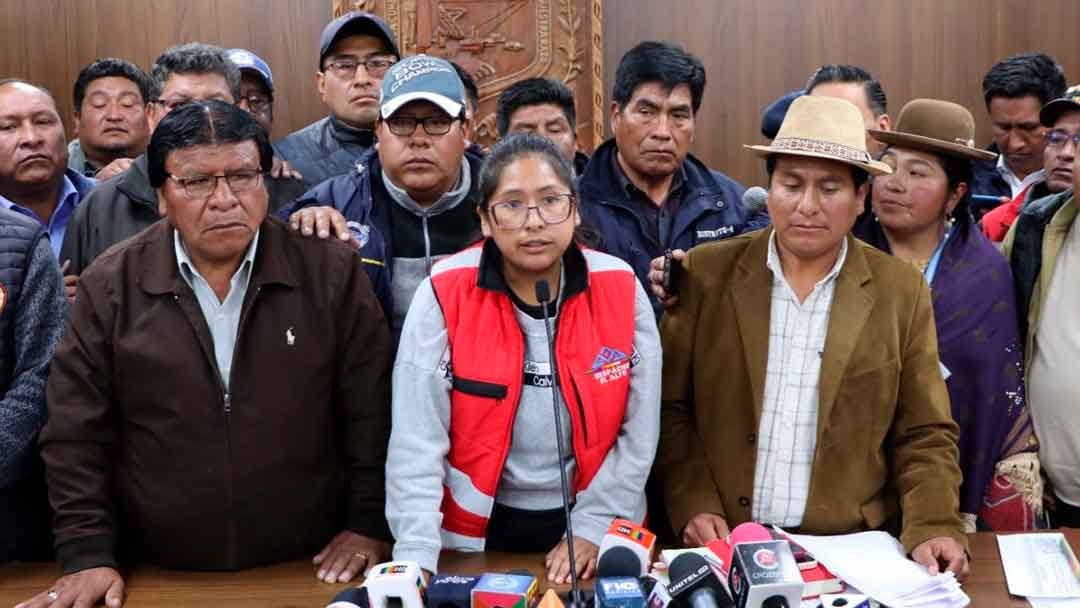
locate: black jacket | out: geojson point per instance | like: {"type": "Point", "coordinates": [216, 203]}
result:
{"type": "Point", "coordinates": [326, 148]}
{"type": "Point", "coordinates": [127, 204]}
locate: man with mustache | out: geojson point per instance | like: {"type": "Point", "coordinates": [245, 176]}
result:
{"type": "Point", "coordinates": [1062, 117]}
{"type": "Point", "coordinates": [216, 463]}
{"type": "Point", "coordinates": [34, 178]}
{"type": "Point", "coordinates": [111, 97]}
{"type": "Point", "coordinates": [643, 192]}
{"type": "Point", "coordinates": [412, 200]}
{"type": "Point", "coordinates": [355, 51]}
{"type": "Point", "coordinates": [1014, 90]}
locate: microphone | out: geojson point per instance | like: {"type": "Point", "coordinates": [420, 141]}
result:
{"type": "Point", "coordinates": [754, 199]}
{"type": "Point", "coordinates": [450, 591]}
{"type": "Point", "coordinates": [618, 562]}
{"type": "Point", "coordinates": [659, 597]}
{"type": "Point", "coordinates": [504, 591]}
{"type": "Point", "coordinates": [356, 597]}
{"type": "Point", "coordinates": [619, 592]}
{"type": "Point", "coordinates": [628, 536]}
{"type": "Point", "coordinates": [743, 533]}
{"type": "Point", "coordinates": [543, 296]}
{"type": "Point", "coordinates": [764, 573]}
{"type": "Point", "coordinates": [694, 585]}
{"type": "Point", "coordinates": [395, 583]}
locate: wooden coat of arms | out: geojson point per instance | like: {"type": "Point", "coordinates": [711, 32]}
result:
{"type": "Point", "coordinates": [500, 42]}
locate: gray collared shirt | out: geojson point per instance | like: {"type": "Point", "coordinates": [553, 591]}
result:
{"type": "Point", "coordinates": [222, 317]}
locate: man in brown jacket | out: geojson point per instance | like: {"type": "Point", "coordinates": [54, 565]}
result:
{"type": "Point", "coordinates": [801, 379]}
{"type": "Point", "coordinates": [221, 396]}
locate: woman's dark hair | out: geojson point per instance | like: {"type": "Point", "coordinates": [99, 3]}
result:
{"type": "Point", "coordinates": [201, 123]}
{"type": "Point", "coordinates": [959, 171]}
{"type": "Point", "coordinates": [516, 147]}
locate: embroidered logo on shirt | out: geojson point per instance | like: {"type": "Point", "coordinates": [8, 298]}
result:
{"type": "Point", "coordinates": [362, 232]}
{"type": "Point", "coordinates": [290, 338]}
{"type": "Point", "coordinates": [716, 234]}
{"type": "Point", "coordinates": [610, 364]}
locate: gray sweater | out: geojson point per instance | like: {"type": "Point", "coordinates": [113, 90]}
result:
{"type": "Point", "coordinates": [419, 439]}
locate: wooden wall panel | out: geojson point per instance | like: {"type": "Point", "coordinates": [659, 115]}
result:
{"type": "Point", "coordinates": [756, 50]}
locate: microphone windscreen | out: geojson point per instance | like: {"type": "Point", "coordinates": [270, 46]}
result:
{"type": "Point", "coordinates": [750, 532]}
{"type": "Point", "coordinates": [685, 565]}
{"type": "Point", "coordinates": [356, 597]}
{"type": "Point", "coordinates": [618, 561]}
{"type": "Point", "coordinates": [543, 291]}
{"type": "Point", "coordinates": [755, 199]}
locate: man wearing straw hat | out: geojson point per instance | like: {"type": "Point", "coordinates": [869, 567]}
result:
{"type": "Point", "coordinates": [801, 378]}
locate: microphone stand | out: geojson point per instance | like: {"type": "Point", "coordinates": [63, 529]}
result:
{"type": "Point", "coordinates": [543, 295]}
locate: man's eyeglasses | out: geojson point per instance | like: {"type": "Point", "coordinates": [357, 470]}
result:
{"type": "Point", "coordinates": [551, 208]}
{"type": "Point", "coordinates": [433, 125]}
{"type": "Point", "coordinates": [345, 68]}
{"type": "Point", "coordinates": [1058, 138]}
{"type": "Point", "coordinates": [202, 186]}
{"type": "Point", "coordinates": [257, 103]}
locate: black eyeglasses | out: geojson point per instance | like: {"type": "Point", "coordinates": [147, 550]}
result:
{"type": "Point", "coordinates": [551, 208]}
{"type": "Point", "coordinates": [202, 186]}
{"type": "Point", "coordinates": [1058, 138]}
{"type": "Point", "coordinates": [345, 68]}
{"type": "Point", "coordinates": [433, 125]}
{"type": "Point", "coordinates": [257, 103]}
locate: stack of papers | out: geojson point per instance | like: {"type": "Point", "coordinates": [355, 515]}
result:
{"type": "Point", "coordinates": [875, 563]}
{"type": "Point", "coordinates": [1042, 568]}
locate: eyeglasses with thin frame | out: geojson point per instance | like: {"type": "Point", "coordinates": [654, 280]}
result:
{"type": "Point", "coordinates": [345, 67]}
{"type": "Point", "coordinates": [257, 103]}
{"type": "Point", "coordinates": [433, 125]}
{"type": "Point", "coordinates": [1059, 137]}
{"type": "Point", "coordinates": [202, 186]}
{"type": "Point", "coordinates": [552, 209]}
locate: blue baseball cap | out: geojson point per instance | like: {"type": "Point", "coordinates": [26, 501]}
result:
{"type": "Point", "coordinates": [422, 77]}
{"type": "Point", "coordinates": [354, 23]}
{"type": "Point", "coordinates": [246, 60]}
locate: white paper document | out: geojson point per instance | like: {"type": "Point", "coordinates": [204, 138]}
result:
{"type": "Point", "coordinates": [1039, 566]}
{"type": "Point", "coordinates": [876, 564]}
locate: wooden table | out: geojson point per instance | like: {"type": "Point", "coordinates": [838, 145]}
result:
{"type": "Point", "coordinates": [294, 585]}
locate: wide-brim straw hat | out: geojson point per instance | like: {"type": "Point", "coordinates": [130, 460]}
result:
{"type": "Point", "coordinates": [935, 125]}
{"type": "Point", "coordinates": [824, 127]}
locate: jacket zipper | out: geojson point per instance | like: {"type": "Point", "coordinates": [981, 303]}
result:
{"type": "Point", "coordinates": [427, 244]}
{"type": "Point", "coordinates": [581, 410]}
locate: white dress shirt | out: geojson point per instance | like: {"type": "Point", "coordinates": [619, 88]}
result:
{"type": "Point", "coordinates": [787, 436]}
{"type": "Point", "coordinates": [1017, 185]}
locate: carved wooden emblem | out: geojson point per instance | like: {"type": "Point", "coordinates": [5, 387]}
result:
{"type": "Point", "coordinates": [500, 42]}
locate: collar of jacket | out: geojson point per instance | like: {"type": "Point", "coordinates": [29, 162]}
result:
{"type": "Point", "coordinates": [350, 135]}
{"type": "Point", "coordinates": [160, 273]}
{"type": "Point", "coordinates": [599, 182]}
{"type": "Point", "coordinates": [751, 293]}
{"type": "Point", "coordinates": [135, 183]}
{"type": "Point", "coordinates": [575, 270]}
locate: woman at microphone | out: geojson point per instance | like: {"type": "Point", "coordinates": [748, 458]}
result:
{"type": "Point", "coordinates": [920, 214]}
{"type": "Point", "coordinates": [472, 461]}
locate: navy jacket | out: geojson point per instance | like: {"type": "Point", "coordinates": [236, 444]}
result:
{"type": "Point", "coordinates": [711, 209]}
{"type": "Point", "coordinates": [362, 198]}
{"type": "Point", "coordinates": [986, 180]}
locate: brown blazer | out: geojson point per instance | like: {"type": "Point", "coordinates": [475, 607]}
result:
{"type": "Point", "coordinates": [147, 453]}
{"type": "Point", "coordinates": [886, 441]}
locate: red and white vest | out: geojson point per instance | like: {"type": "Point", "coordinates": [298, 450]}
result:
{"type": "Point", "coordinates": [593, 350]}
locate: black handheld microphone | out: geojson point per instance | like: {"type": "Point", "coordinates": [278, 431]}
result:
{"type": "Point", "coordinates": [694, 585]}
{"type": "Point", "coordinates": [543, 296]}
{"type": "Point", "coordinates": [618, 561]}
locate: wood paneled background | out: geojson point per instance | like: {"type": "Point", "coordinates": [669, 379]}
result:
{"type": "Point", "coordinates": [754, 50]}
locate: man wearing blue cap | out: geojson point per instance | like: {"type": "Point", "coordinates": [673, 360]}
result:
{"type": "Point", "coordinates": [355, 52]}
{"type": "Point", "coordinates": [413, 199]}
{"type": "Point", "coordinates": [256, 86]}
